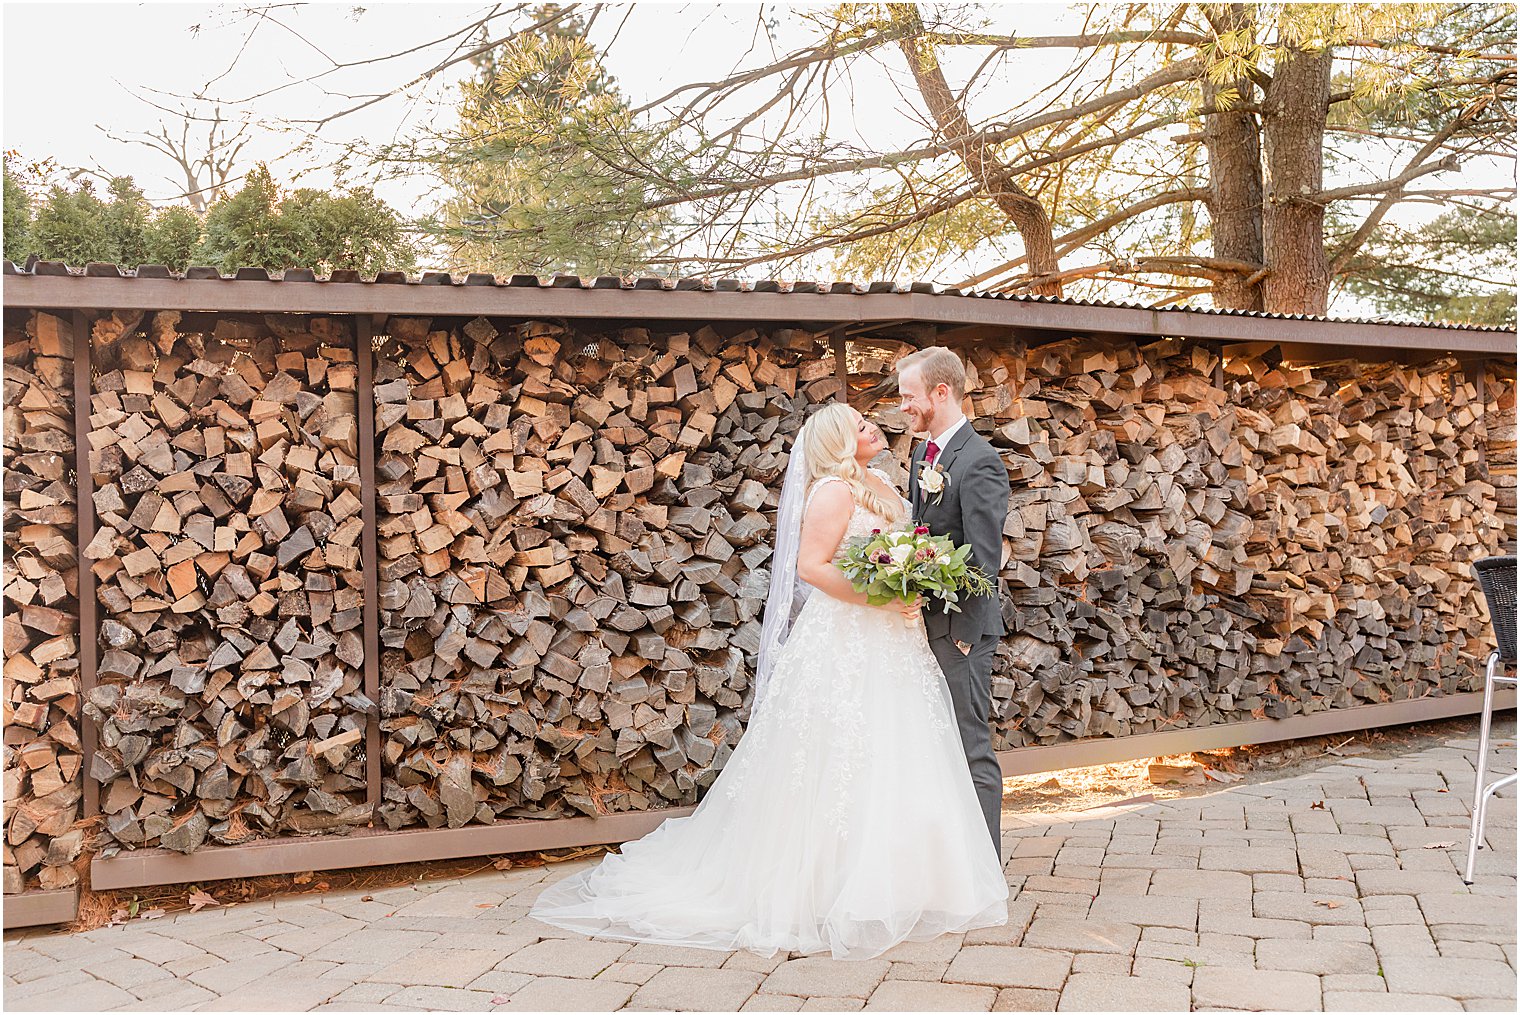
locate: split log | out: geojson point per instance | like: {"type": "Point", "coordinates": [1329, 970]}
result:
{"type": "Point", "coordinates": [574, 530]}
{"type": "Point", "coordinates": [227, 498]}
{"type": "Point", "coordinates": [1193, 541]}
{"type": "Point", "coordinates": [43, 788]}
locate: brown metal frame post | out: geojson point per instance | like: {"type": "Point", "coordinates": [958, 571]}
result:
{"type": "Point", "coordinates": [841, 367]}
{"type": "Point", "coordinates": [84, 516]}
{"type": "Point", "coordinates": [364, 352]}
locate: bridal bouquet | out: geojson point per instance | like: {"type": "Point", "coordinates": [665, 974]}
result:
{"type": "Point", "coordinates": [905, 563]}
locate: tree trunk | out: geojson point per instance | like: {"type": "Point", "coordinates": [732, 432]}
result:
{"type": "Point", "coordinates": [1293, 219]}
{"type": "Point", "coordinates": [1026, 213]}
{"type": "Point", "coordinates": [1233, 143]}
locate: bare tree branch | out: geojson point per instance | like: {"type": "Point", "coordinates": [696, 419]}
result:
{"type": "Point", "coordinates": [1181, 71]}
{"type": "Point", "coordinates": [1391, 195]}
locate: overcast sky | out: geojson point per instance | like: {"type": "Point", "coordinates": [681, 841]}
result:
{"type": "Point", "coordinates": [76, 73]}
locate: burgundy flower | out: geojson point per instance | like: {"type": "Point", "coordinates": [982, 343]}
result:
{"type": "Point", "coordinates": [875, 532]}
{"type": "Point", "coordinates": [922, 530]}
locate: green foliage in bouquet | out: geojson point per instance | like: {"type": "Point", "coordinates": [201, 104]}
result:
{"type": "Point", "coordinates": [907, 563]}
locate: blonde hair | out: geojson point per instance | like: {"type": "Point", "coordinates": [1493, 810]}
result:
{"type": "Point", "coordinates": [938, 365]}
{"type": "Point", "coordinates": [827, 444]}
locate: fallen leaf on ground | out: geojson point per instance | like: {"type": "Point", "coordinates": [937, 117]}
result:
{"type": "Point", "coordinates": [305, 877]}
{"type": "Point", "coordinates": [505, 863]}
{"type": "Point", "coordinates": [150, 914]}
{"type": "Point", "coordinates": [1443, 791]}
{"type": "Point", "coordinates": [1439, 845]}
{"type": "Point", "coordinates": [485, 905]}
{"type": "Point", "coordinates": [499, 999]}
{"type": "Point", "coordinates": [199, 900]}
{"type": "Point", "coordinates": [1221, 776]}
{"type": "Point", "coordinates": [366, 898]}
{"type": "Point", "coordinates": [323, 886]}
{"type": "Point", "coordinates": [1328, 903]}
{"type": "Point", "coordinates": [1317, 805]}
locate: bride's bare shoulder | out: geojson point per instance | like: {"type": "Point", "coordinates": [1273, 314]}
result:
{"type": "Point", "coordinates": [831, 494]}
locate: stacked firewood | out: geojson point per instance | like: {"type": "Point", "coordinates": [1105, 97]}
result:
{"type": "Point", "coordinates": [42, 749]}
{"type": "Point", "coordinates": [1380, 505]}
{"type": "Point", "coordinates": [1194, 540]}
{"type": "Point", "coordinates": [573, 534]}
{"type": "Point", "coordinates": [228, 517]}
{"type": "Point", "coordinates": [1498, 408]}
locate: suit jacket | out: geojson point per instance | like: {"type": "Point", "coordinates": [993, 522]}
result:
{"type": "Point", "coordinates": [972, 510]}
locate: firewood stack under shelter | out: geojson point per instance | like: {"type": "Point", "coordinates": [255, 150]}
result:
{"type": "Point", "coordinates": [43, 789]}
{"type": "Point", "coordinates": [229, 577]}
{"type": "Point", "coordinates": [574, 534]}
{"type": "Point", "coordinates": [1194, 539]}
{"type": "Point", "coordinates": [572, 531]}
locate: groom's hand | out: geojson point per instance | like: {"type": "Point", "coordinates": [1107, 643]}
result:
{"type": "Point", "coordinates": [963, 646]}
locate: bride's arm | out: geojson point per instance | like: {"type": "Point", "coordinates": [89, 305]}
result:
{"type": "Point", "coordinates": [823, 528]}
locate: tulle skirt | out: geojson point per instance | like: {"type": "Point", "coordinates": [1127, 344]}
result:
{"type": "Point", "coordinates": [845, 821]}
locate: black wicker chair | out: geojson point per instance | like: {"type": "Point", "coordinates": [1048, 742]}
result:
{"type": "Point", "coordinates": [1497, 577]}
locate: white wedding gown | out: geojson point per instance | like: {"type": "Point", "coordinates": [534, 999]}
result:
{"type": "Point", "coordinates": [844, 822]}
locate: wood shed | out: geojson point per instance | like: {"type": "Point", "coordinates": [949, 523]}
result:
{"type": "Point", "coordinates": [310, 573]}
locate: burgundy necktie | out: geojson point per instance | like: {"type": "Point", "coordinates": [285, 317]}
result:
{"type": "Point", "coordinates": [931, 452]}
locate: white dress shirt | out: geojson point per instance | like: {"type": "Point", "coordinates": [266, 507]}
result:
{"type": "Point", "coordinates": [943, 440]}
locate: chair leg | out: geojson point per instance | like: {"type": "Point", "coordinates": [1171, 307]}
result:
{"type": "Point", "coordinates": [1492, 790]}
{"type": "Point", "coordinates": [1475, 834]}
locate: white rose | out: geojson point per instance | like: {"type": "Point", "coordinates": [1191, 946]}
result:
{"type": "Point", "coordinates": [931, 481]}
{"type": "Point", "coordinates": [900, 552]}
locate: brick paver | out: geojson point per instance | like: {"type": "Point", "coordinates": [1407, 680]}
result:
{"type": "Point", "coordinates": [1325, 891]}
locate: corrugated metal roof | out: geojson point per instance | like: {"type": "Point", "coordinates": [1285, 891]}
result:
{"type": "Point", "coordinates": [655, 283]}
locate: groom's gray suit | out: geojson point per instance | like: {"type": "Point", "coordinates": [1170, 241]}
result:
{"type": "Point", "coordinates": [971, 509]}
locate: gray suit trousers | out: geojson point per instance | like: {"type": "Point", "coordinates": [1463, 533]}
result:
{"type": "Point", "coordinates": [969, 678]}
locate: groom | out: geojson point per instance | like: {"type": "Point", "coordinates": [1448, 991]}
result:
{"type": "Point", "coordinates": [959, 488]}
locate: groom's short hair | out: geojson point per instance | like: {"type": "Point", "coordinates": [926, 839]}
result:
{"type": "Point", "coordinates": [938, 365]}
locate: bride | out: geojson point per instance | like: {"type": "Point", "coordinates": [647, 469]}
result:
{"type": "Point", "coordinates": [845, 821]}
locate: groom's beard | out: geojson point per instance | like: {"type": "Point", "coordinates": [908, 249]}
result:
{"type": "Point", "coordinates": [927, 427]}
{"type": "Point", "coordinates": [938, 425]}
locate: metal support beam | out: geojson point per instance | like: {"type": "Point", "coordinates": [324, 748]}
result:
{"type": "Point", "coordinates": [841, 364]}
{"type": "Point", "coordinates": [369, 848]}
{"type": "Point", "coordinates": [39, 909]}
{"type": "Point", "coordinates": [364, 352]}
{"type": "Point", "coordinates": [1108, 750]}
{"type": "Point", "coordinates": [84, 515]}
{"type": "Point", "coordinates": [809, 310]}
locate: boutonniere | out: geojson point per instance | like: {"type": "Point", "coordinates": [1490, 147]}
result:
{"type": "Point", "coordinates": [932, 479]}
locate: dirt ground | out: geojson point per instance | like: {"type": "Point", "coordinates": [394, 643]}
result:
{"type": "Point", "coordinates": [1069, 790]}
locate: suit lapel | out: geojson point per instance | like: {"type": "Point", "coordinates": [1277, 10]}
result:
{"type": "Point", "coordinates": [913, 463]}
{"type": "Point", "coordinates": [947, 455]}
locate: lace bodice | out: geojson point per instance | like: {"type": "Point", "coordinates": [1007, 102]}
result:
{"type": "Point", "coordinates": [831, 643]}
{"type": "Point", "coordinates": [861, 521]}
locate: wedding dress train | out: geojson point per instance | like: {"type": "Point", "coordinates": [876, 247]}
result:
{"type": "Point", "coordinates": [845, 821]}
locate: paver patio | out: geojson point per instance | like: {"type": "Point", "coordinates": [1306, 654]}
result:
{"type": "Point", "coordinates": [1323, 891]}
